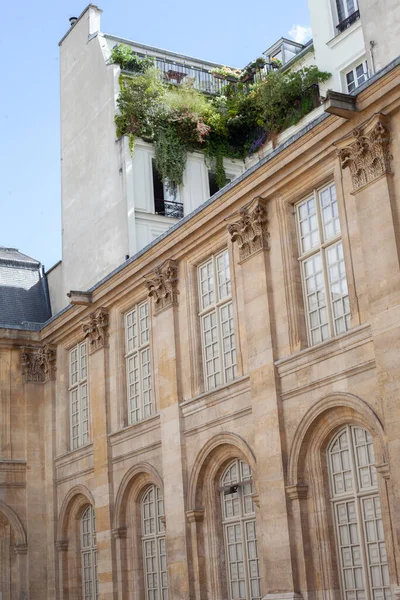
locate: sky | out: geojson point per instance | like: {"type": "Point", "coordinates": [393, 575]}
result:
{"type": "Point", "coordinates": [230, 32]}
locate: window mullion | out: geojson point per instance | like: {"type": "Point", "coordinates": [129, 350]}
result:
{"type": "Point", "coordinates": [220, 346]}
{"type": "Point", "coordinates": [328, 299]}
{"type": "Point", "coordinates": [140, 386]}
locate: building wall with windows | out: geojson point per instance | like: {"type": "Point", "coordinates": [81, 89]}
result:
{"type": "Point", "coordinates": [385, 38]}
{"type": "Point", "coordinates": [218, 418]}
{"type": "Point", "coordinates": [338, 39]}
{"type": "Point", "coordinates": [110, 206]}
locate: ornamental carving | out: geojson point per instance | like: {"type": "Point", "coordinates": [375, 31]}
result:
{"type": "Point", "coordinates": [162, 285]}
{"type": "Point", "coordinates": [96, 330]}
{"type": "Point", "coordinates": [368, 156]}
{"type": "Point", "coordinates": [38, 364]}
{"type": "Point", "coordinates": [249, 229]}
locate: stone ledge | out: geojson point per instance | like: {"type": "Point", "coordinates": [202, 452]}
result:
{"type": "Point", "coordinates": [320, 352]}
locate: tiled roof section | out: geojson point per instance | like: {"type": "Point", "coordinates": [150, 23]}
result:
{"type": "Point", "coordinates": [23, 291]}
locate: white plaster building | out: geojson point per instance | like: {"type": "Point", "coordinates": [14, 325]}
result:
{"type": "Point", "coordinates": [113, 203]}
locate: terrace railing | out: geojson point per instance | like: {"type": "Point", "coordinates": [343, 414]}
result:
{"type": "Point", "coordinates": [167, 208]}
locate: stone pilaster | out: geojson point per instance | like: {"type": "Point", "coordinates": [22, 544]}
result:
{"type": "Point", "coordinates": [39, 366]}
{"type": "Point", "coordinates": [162, 286]}
{"type": "Point", "coordinates": [35, 445]}
{"type": "Point", "coordinates": [366, 153]}
{"type": "Point", "coordinates": [248, 229]}
{"type": "Point", "coordinates": [96, 330]}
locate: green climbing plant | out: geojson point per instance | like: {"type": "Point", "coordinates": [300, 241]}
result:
{"type": "Point", "coordinates": [181, 119]}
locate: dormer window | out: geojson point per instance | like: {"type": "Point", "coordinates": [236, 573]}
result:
{"type": "Point", "coordinates": [281, 53]}
{"type": "Point", "coordinates": [348, 13]}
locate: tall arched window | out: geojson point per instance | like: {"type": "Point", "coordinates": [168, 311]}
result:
{"type": "Point", "coordinates": [154, 547]}
{"type": "Point", "coordinates": [357, 515]}
{"type": "Point", "coordinates": [89, 555]}
{"type": "Point", "coordinates": [239, 524]}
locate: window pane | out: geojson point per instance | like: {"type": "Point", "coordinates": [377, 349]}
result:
{"type": "Point", "coordinates": [308, 222]}
{"type": "Point", "coordinates": [211, 350]}
{"type": "Point", "coordinates": [146, 382]}
{"type": "Point", "coordinates": [133, 388]}
{"type": "Point", "coordinates": [73, 366]}
{"type": "Point", "coordinates": [338, 288]}
{"type": "Point", "coordinates": [144, 323]}
{"type": "Point", "coordinates": [206, 275]}
{"type": "Point", "coordinates": [228, 341]}
{"type": "Point", "coordinates": [131, 330]}
{"type": "Point", "coordinates": [223, 275]}
{"type": "Point", "coordinates": [315, 298]}
{"type": "Point", "coordinates": [329, 211]}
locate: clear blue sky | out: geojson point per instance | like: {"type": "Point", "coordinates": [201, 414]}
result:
{"type": "Point", "coordinates": [228, 31]}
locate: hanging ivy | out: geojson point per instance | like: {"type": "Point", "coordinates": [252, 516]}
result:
{"type": "Point", "coordinates": [181, 119]}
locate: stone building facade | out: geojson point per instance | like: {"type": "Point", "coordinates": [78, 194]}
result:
{"type": "Point", "coordinates": [219, 418]}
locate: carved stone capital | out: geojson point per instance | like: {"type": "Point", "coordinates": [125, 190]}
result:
{"type": "Point", "coordinates": [383, 470]}
{"type": "Point", "coordinates": [96, 329]}
{"type": "Point", "coordinates": [367, 153]}
{"type": "Point", "coordinates": [298, 491]}
{"type": "Point", "coordinates": [195, 516]}
{"type": "Point", "coordinates": [249, 228]}
{"type": "Point", "coordinates": [162, 285]}
{"type": "Point", "coordinates": [119, 532]}
{"type": "Point", "coordinates": [61, 545]}
{"type": "Point", "coordinates": [256, 499]}
{"type": "Point", "coordinates": [21, 549]}
{"type": "Point", "coordinates": [38, 364]}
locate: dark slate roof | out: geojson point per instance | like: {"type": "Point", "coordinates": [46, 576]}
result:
{"type": "Point", "coordinates": [23, 291]}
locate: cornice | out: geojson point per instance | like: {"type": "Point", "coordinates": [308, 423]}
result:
{"type": "Point", "coordinates": [267, 177]}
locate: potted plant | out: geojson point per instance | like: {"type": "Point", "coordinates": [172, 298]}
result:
{"type": "Point", "coordinates": [276, 63]}
{"type": "Point", "coordinates": [225, 73]}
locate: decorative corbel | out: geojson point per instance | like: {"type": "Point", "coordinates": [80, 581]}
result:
{"type": "Point", "coordinates": [299, 491]}
{"type": "Point", "coordinates": [162, 285]}
{"type": "Point", "coordinates": [249, 228]}
{"type": "Point", "coordinates": [61, 545]}
{"type": "Point", "coordinates": [195, 516]}
{"type": "Point", "coordinates": [96, 329]}
{"type": "Point", "coordinates": [119, 533]}
{"type": "Point", "coordinates": [38, 364]}
{"type": "Point", "coordinates": [383, 471]}
{"type": "Point", "coordinates": [366, 152]}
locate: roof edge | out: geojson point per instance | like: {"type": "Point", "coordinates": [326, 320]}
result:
{"type": "Point", "coordinates": [392, 65]}
{"type": "Point", "coordinates": [78, 19]}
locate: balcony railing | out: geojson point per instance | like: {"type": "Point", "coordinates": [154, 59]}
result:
{"type": "Point", "coordinates": [349, 21]}
{"type": "Point", "coordinates": [166, 208]}
{"type": "Point", "coordinates": [178, 73]}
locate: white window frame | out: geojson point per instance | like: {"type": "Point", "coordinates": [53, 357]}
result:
{"type": "Point", "coordinates": [90, 584]}
{"type": "Point", "coordinates": [155, 569]}
{"type": "Point", "coordinates": [236, 499]}
{"type": "Point", "coordinates": [138, 362]}
{"type": "Point", "coordinates": [359, 486]}
{"type": "Point", "coordinates": [345, 6]}
{"type": "Point", "coordinates": [353, 70]}
{"type": "Point", "coordinates": [335, 324]}
{"type": "Point", "coordinates": [219, 309]}
{"type": "Point", "coordinates": [78, 389]}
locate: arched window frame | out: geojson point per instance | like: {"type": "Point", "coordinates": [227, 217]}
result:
{"type": "Point", "coordinates": [239, 531]}
{"type": "Point", "coordinates": [357, 515]}
{"type": "Point", "coordinates": [88, 547]}
{"type": "Point", "coordinates": [153, 541]}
